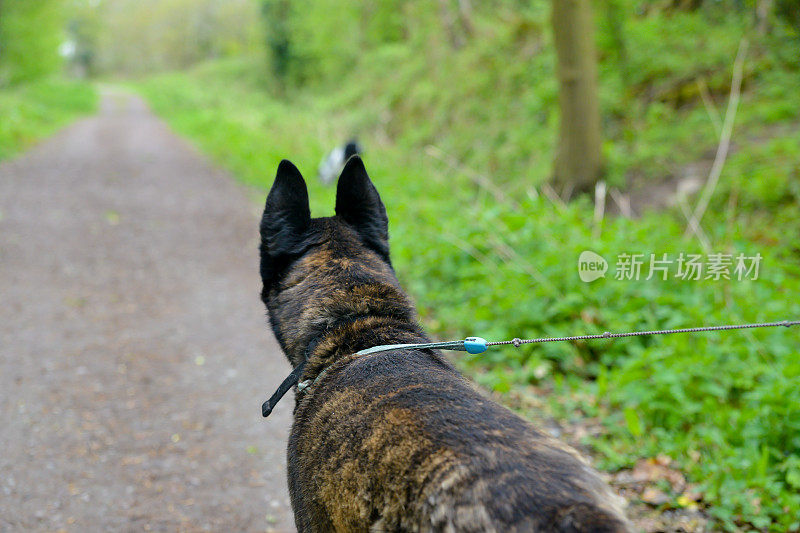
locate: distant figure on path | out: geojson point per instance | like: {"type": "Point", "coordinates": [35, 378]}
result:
{"type": "Point", "coordinates": [332, 165]}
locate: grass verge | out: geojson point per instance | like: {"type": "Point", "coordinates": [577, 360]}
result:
{"type": "Point", "coordinates": [34, 110]}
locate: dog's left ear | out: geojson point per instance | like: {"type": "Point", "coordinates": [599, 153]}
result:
{"type": "Point", "coordinates": [359, 204]}
{"type": "Point", "coordinates": [286, 218]}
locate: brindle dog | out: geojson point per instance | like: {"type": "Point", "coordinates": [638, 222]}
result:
{"type": "Point", "coordinates": [399, 440]}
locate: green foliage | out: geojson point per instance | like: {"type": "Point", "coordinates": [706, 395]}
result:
{"type": "Point", "coordinates": [30, 33]}
{"type": "Point", "coordinates": [440, 121]}
{"type": "Point", "coordinates": [34, 110]}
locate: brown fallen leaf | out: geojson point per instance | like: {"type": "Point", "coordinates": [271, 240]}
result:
{"type": "Point", "coordinates": [655, 469]}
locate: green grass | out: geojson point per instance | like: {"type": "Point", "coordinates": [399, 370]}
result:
{"type": "Point", "coordinates": [34, 110]}
{"type": "Point", "coordinates": [723, 406]}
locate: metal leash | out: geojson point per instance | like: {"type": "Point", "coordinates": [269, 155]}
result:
{"type": "Point", "coordinates": [609, 335]}
{"type": "Point", "coordinates": [476, 345]}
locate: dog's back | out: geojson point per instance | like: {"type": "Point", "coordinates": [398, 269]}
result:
{"type": "Point", "coordinates": [398, 440]}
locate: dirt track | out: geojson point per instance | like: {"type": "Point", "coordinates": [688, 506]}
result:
{"type": "Point", "coordinates": [134, 352]}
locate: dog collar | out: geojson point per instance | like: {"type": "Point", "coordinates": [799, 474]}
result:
{"type": "Point", "coordinates": [472, 345]}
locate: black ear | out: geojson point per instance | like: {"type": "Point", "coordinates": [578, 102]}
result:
{"type": "Point", "coordinates": [286, 218]}
{"type": "Point", "coordinates": [358, 204]}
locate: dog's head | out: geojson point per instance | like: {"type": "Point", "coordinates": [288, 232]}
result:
{"type": "Point", "coordinates": [321, 271]}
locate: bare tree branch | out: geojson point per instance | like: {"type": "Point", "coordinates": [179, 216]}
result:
{"type": "Point", "coordinates": [724, 141]}
{"type": "Point", "coordinates": [713, 114]}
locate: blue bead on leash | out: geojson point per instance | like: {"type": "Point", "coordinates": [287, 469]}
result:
{"type": "Point", "coordinates": [475, 345]}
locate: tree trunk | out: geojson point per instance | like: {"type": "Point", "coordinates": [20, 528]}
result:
{"type": "Point", "coordinates": [578, 164]}
{"type": "Point", "coordinates": [763, 14]}
{"type": "Point", "coordinates": [465, 14]}
{"type": "Point", "coordinates": [449, 23]}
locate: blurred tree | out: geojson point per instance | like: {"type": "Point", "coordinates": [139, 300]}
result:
{"type": "Point", "coordinates": [615, 19]}
{"type": "Point", "coordinates": [457, 21]}
{"type": "Point", "coordinates": [30, 33]}
{"type": "Point", "coordinates": [578, 162]}
{"type": "Point", "coordinates": [686, 5]}
{"type": "Point", "coordinates": [276, 22]}
{"type": "Point", "coordinates": [763, 14]}
{"type": "Point", "coordinates": [83, 29]}
{"type": "Point", "coordinates": [385, 22]}
{"type": "Point", "coordinates": [327, 39]}
{"type": "Point", "coordinates": [789, 11]}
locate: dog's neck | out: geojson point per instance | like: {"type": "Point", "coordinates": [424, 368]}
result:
{"type": "Point", "coordinates": [322, 312]}
{"type": "Point", "coordinates": [344, 340]}
{"type": "Point", "coordinates": [358, 332]}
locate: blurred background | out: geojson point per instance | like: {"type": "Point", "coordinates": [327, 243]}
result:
{"type": "Point", "coordinates": [507, 137]}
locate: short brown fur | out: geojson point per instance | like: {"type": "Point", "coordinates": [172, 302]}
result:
{"type": "Point", "coordinates": [399, 440]}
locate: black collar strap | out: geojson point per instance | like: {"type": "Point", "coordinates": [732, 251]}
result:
{"type": "Point", "coordinates": [288, 383]}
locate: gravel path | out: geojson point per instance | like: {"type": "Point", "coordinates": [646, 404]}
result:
{"type": "Point", "coordinates": [134, 351]}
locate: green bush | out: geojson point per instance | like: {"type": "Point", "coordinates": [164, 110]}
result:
{"type": "Point", "coordinates": [30, 33]}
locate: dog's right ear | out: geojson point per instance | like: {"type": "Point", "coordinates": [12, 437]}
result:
{"type": "Point", "coordinates": [286, 218]}
{"type": "Point", "coordinates": [359, 204]}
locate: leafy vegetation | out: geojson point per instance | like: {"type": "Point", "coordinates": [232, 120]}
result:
{"type": "Point", "coordinates": [33, 110]}
{"type": "Point", "coordinates": [30, 33]}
